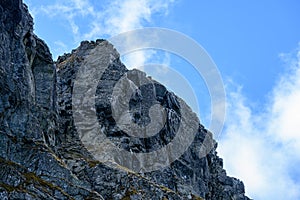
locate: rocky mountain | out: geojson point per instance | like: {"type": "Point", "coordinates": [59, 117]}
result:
{"type": "Point", "coordinates": [42, 153]}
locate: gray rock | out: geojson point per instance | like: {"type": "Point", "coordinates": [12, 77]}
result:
{"type": "Point", "coordinates": [42, 154]}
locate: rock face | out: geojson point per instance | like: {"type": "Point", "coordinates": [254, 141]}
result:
{"type": "Point", "coordinates": [42, 155]}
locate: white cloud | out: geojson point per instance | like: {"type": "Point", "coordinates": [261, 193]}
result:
{"type": "Point", "coordinates": [263, 148]}
{"type": "Point", "coordinates": [137, 59]}
{"type": "Point", "coordinates": [68, 8]}
{"type": "Point", "coordinates": [106, 19]}
{"type": "Point", "coordinates": [69, 11]}
{"type": "Point", "coordinates": [128, 15]}
{"type": "Point", "coordinates": [124, 15]}
{"type": "Point", "coordinates": [121, 16]}
{"type": "Point", "coordinates": [286, 108]}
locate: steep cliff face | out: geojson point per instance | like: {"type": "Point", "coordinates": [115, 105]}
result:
{"type": "Point", "coordinates": [42, 155]}
{"type": "Point", "coordinates": [30, 169]}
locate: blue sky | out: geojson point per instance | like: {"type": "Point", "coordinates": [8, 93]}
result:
{"type": "Point", "coordinates": [255, 45]}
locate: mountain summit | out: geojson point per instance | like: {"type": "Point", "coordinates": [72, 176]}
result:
{"type": "Point", "coordinates": [42, 153]}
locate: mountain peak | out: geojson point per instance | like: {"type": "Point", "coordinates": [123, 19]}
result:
{"type": "Point", "coordinates": [52, 150]}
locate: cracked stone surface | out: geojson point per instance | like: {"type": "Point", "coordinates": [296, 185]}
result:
{"type": "Point", "coordinates": [42, 155]}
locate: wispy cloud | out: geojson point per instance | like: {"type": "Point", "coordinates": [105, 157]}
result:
{"type": "Point", "coordinates": [121, 16]}
{"type": "Point", "coordinates": [70, 12]}
{"type": "Point", "coordinates": [263, 148]}
{"type": "Point", "coordinates": [88, 20]}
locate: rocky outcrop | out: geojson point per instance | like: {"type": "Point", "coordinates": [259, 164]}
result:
{"type": "Point", "coordinates": [42, 154]}
{"type": "Point", "coordinates": [30, 169]}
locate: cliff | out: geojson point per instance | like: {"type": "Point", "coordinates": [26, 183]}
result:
{"type": "Point", "coordinates": [42, 153]}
